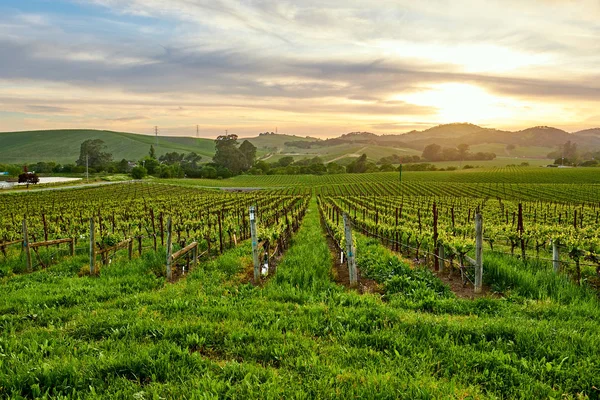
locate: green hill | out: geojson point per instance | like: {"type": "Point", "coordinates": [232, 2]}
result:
{"type": "Point", "coordinates": [62, 146]}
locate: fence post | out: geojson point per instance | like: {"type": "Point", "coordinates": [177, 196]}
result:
{"type": "Point", "coordinates": [441, 256]}
{"type": "Point", "coordinates": [350, 252]}
{"type": "Point", "coordinates": [195, 255]}
{"type": "Point", "coordinates": [478, 252]}
{"type": "Point", "coordinates": [555, 257]}
{"type": "Point", "coordinates": [72, 246]}
{"type": "Point", "coordinates": [130, 248]}
{"type": "Point", "coordinates": [26, 245]}
{"type": "Point", "coordinates": [169, 250]}
{"type": "Point", "coordinates": [92, 247]}
{"type": "Point", "coordinates": [254, 244]}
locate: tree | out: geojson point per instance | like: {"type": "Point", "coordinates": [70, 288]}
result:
{"type": "Point", "coordinates": [138, 172]}
{"type": "Point", "coordinates": [335, 168]}
{"type": "Point", "coordinates": [151, 164]}
{"type": "Point", "coordinates": [450, 154]}
{"type": "Point", "coordinates": [249, 152]}
{"type": "Point", "coordinates": [359, 166]}
{"type": "Point", "coordinates": [97, 157]}
{"type": "Point", "coordinates": [386, 168]}
{"type": "Point", "coordinates": [227, 154]}
{"type": "Point", "coordinates": [123, 166]}
{"type": "Point", "coordinates": [171, 158]}
{"type": "Point", "coordinates": [569, 151]}
{"type": "Point", "coordinates": [463, 151]}
{"type": "Point", "coordinates": [285, 161]}
{"type": "Point", "coordinates": [152, 153]}
{"type": "Point", "coordinates": [192, 159]}
{"type": "Point", "coordinates": [432, 152]}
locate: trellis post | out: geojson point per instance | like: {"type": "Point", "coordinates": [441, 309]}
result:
{"type": "Point", "coordinates": [92, 247]}
{"type": "Point", "coordinates": [254, 244]}
{"type": "Point", "coordinates": [26, 245]}
{"type": "Point", "coordinates": [555, 257]}
{"type": "Point", "coordinates": [441, 257]}
{"type": "Point", "coordinates": [169, 250]}
{"type": "Point", "coordinates": [350, 258]}
{"type": "Point", "coordinates": [478, 252]}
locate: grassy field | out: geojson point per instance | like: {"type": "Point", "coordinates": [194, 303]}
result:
{"type": "Point", "coordinates": [63, 146]}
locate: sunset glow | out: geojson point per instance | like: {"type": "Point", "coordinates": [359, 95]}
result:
{"type": "Point", "coordinates": [307, 68]}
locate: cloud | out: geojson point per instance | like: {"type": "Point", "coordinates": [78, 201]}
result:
{"type": "Point", "coordinates": [287, 61]}
{"type": "Point", "coordinates": [128, 119]}
{"type": "Point", "coordinates": [47, 109]}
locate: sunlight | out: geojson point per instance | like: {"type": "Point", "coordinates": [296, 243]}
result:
{"type": "Point", "coordinates": [462, 102]}
{"type": "Point", "coordinates": [471, 57]}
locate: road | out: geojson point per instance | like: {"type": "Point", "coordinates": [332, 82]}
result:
{"type": "Point", "coordinates": [357, 154]}
{"type": "Point", "coordinates": [62, 187]}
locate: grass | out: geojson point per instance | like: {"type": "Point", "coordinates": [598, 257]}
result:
{"type": "Point", "coordinates": [62, 146]}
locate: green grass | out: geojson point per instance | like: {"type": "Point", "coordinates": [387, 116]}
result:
{"type": "Point", "coordinates": [63, 146]}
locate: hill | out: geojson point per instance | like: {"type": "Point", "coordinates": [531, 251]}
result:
{"type": "Point", "coordinates": [63, 146]}
{"type": "Point", "coordinates": [449, 135]}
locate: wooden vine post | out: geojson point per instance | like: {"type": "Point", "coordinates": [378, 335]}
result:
{"type": "Point", "coordinates": [26, 245]}
{"type": "Point", "coordinates": [254, 244]}
{"type": "Point", "coordinates": [436, 263]}
{"type": "Point", "coordinates": [478, 252]}
{"type": "Point", "coordinates": [169, 249]}
{"type": "Point", "coordinates": [521, 230]}
{"type": "Point", "coordinates": [350, 258]}
{"type": "Point", "coordinates": [92, 247]}
{"type": "Point", "coordinates": [441, 257]}
{"type": "Point", "coordinates": [555, 257]}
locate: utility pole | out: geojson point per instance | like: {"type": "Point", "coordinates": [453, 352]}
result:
{"type": "Point", "coordinates": [156, 134]}
{"type": "Point", "coordinates": [197, 132]}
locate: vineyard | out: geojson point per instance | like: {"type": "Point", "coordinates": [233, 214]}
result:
{"type": "Point", "coordinates": [423, 226]}
{"type": "Point", "coordinates": [137, 214]}
{"type": "Point", "coordinates": [367, 287]}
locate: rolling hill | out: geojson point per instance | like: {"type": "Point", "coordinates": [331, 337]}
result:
{"type": "Point", "coordinates": [62, 146]}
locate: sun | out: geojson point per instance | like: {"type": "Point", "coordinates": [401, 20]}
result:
{"type": "Point", "coordinates": [460, 102]}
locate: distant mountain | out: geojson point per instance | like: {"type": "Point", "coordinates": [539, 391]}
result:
{"type": "Point", "coordinates": [454, 134]}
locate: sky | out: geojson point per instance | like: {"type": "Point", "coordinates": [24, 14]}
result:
{"type": "Point", "coordinates": [306, 67]}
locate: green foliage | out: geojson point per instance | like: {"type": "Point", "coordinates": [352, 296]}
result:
{"type": "Point", "coordinates": [93, 153]}
{"type": "Point", "coordinates": [138, 172]}
{"type": "Point", "coordinates": [228, 155]}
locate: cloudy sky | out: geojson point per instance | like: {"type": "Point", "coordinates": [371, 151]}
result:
{"type": "Point", "coordinates": [307, 67]}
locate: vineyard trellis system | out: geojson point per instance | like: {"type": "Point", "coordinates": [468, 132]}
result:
{"type": "Point", "coordinates": [106, 220]}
